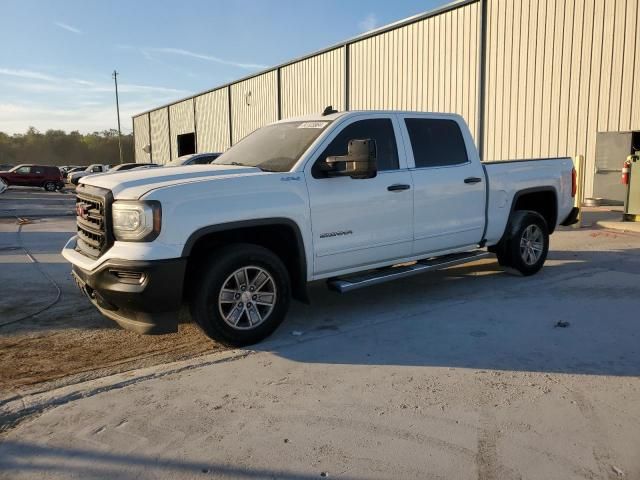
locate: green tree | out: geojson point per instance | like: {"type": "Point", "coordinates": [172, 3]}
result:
{"type": "Point", "coordinates": [56, 147]}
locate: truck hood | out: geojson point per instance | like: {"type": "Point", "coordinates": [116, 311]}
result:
{"type": "Point", "coordinates": [135, 183]}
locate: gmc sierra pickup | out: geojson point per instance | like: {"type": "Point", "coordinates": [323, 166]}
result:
{"type": "Point", "coordinates": [355, 198]}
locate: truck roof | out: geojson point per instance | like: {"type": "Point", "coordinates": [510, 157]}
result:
{"type": "Point", "coordinates": [319, 117]}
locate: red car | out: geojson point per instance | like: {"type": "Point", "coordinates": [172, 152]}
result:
{"type": "Point", "coordinates": [48, 178]}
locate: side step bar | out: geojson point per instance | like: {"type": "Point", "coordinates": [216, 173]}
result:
{"type": "Point", "coordinates": [354, 282]}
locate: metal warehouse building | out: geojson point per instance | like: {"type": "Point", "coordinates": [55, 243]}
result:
{"type": "Point", "coordinates": [533, 78]}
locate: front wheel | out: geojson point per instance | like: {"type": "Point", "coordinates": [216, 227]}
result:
{"type": "Point", "coordinates": [527, 245]}
{"type": "Point", "coordinates": [242, 295]}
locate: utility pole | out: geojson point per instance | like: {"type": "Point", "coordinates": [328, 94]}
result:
{"type": "Point", "coordinates": [115, 80]}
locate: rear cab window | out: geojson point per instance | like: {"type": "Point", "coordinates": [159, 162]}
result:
{"type": "Point", "coordinates": [436, 142]}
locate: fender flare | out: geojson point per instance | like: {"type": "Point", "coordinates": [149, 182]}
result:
{"type": "Point", "coordinates": [300, 290]}
{"type": "Point", "coordinates": [527, 191]}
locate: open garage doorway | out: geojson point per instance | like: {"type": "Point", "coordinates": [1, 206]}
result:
{"type": "Point", "coordinates": [186, 144]}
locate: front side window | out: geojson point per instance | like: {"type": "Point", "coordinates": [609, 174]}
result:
{"type": "Point", "coordinates": [436, 143]}
{"type": "Point", "coordinates": [274, 148]}
{"type": "Point", "coordinates": [379, 129]}
{"type": "Point", "coordinates": [23, 170]}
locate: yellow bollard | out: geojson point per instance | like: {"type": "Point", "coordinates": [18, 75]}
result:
{"type": "Point", "coordinates": [578, 163]}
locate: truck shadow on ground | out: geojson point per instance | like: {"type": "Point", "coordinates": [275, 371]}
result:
{"type": "Point", "coordinates": [29, 459]}
{"type": "Point", "coordinates": [560, 320]}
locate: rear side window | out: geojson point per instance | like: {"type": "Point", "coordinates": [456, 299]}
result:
{"type": "Point", "coordinates": [37, 170]}
{"type": "Point", "coordinates": [204, 160]}
{"type": "Point", "coordinates": [436, 143]}
{"type": "Point", "coordinates": [379, 129]}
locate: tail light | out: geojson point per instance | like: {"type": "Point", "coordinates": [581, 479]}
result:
{"type": "Point", "coordinates": [574, 183]}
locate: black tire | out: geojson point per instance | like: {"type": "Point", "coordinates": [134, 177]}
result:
{"type": "Point", "coordinates": [512, 253]}
{"type": "Point", "coordinates": [50, 186]}
{"type": "Point", "coordinates": [215, 274]}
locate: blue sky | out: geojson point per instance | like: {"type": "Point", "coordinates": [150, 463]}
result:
{"type": "Point", "coordinates": [56, 57]}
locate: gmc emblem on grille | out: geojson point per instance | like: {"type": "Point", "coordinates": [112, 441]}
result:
{"type": "Point", "coordinates": [82, 211]}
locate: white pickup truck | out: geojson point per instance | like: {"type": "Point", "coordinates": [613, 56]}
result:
{"type": "Point", "coordinates": [355, 198]}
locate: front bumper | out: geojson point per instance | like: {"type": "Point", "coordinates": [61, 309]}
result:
{"type": "Point", "coordinates": [572, 217]}
{"type": "Point", "coordinates": [143, 296]}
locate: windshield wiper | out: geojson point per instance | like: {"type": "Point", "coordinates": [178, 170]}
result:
{"type": "Point", "coordinates": [236, 164]}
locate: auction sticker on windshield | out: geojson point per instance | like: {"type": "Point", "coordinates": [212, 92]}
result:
{"type": "Point", "coordinates": [313, 125]}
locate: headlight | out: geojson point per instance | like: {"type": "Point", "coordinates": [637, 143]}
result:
{"type": "Point", "coordinates": [136, 221]}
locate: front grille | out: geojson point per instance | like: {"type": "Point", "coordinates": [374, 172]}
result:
{"type": "Point", "coordinates": [93, 212]}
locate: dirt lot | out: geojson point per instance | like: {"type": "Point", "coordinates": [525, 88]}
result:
{"type": "Point", "coordinates": [70, 341]}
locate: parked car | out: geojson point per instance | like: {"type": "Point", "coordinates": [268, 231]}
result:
{"type": "Point", "coordinates": [42, 176]}
{"type": "Point", "coordinates": [194, 159]}
{"type": "Point", "coordinates": [70, 170]}
{"type": "Point", "coordinates": [131, 166]}
{"type": "Point", "coordinates": [75, 177]}
{"type": "Point", "coordinates": [66, 168]}
{"type": "Point", "coordinates": [353, 198]}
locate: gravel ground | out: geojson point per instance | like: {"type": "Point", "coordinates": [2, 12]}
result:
{"type": "Point", "coordinates": [70, 341]}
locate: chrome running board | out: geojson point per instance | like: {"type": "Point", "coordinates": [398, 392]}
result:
{"type": "Point", "coordinates": [356, 281]}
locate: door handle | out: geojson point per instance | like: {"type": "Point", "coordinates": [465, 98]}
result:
{"type": "Point", "coordinates": [472, 180]}
{"type": "Point", "coordinates": [398, 187]}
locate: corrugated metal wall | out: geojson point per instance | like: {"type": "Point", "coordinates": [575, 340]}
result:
{"type": "Point", "coordinates": [559, 71]}
{"type": "Point", "coordinates": [141, 129]}
{"type": "Point", "coordinates": [254, 103]}
{"type": "Point", "coordinates": [311, 85]}
{"type": "Point", "coordinates": [430, 65]}
{"type": "Point", "coordinates": [160, 135]}
{"type": "Point", "coordinates": [180, 121]}
{"type": "Point", "coordinates": [212, 121]}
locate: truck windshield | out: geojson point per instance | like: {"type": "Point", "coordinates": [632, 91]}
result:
{"type": "Point", "coordinates": [274, 148]}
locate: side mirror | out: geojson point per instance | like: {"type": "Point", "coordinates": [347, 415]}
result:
{"type": "Point", "coordinates": [359, 162]}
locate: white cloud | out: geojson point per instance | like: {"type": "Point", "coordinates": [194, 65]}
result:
{"type": "Point", "coordinates": [68, 28]}
{"type": "Point", "coordinates": [146, 51]}
{"type": "Point", "coordinates": [85, 105]}
{"type": "Point", "coordinates": [17, 117]}
{"type": "Point", "coordinates": [368, 23]}
{"type": "Point", "coordinates": [26, 74]}
{"type": "Point", "coordinates": [61, 84]}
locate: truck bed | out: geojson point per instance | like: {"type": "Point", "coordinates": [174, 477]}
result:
{"type": "Point", "coordinates": [506, 179]}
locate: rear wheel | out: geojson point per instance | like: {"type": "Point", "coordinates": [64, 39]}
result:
{"type": "Point", "coordinates": [526, 247]}
{"type": "Point", "coordinates": [242, 296]}
{"type": "Point", "coordinates": [50, 186]}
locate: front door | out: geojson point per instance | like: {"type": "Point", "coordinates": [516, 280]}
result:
{"type": "Point", "coordinates": [21, 176]}
{"type": "Point", "coordinates": [359, 222]}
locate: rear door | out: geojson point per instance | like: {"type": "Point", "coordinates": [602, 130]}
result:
{"type": "Point", "coordinates": [449, 184]}
{"type": "Point", "coordinates": [358, 222]}
{"type": "Point", "coordinates": [36, 176]}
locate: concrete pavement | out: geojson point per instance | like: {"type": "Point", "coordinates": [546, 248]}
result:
{"type": "Point", "coordinates": [460, 374]}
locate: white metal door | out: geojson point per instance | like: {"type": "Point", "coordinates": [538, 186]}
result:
{"type": "Point", "coordinates": [361, 222]}
{"type": "Point", "coordinates": [449, 184]}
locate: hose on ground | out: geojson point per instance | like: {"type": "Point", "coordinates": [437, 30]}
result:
{"type": "Point", "coordinates": [35, 262]}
